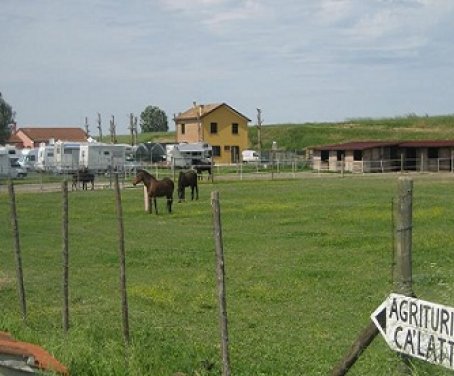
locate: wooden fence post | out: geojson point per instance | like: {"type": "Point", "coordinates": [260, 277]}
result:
{"type": "Point", "coordinates": [146, 199]}
{"type": "Point", "coordinates": [220, 277]}
{"type": "Point", "coordinates": [65, 257]}
{"type": "Point", "coordinates": [17, 251]}
{"type": "Point", "coordinates": [122, 259]}
{"type": "Point", "coordinates": [402, 271]}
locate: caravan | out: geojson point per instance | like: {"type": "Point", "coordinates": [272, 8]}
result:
{"type": "Point", "coordinates": [99, 158]}
{"type": "Point", "coordinates": [66, 156]}
{"type": "Point", "coordinates": [185, 155]}
{"type": "Point", "coordinates": [45, 161]}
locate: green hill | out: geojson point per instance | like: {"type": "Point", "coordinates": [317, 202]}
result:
{"type": "Point", "coordinates": [299, 136]}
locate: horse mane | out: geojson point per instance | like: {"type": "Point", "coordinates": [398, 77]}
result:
{"type": "Point", "coordinates": [145, 172]}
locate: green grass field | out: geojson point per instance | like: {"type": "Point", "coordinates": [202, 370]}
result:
{"type": "Point", "coordinates": [307, 262]}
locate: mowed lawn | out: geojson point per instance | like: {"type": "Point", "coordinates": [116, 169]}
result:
{"type": "Point", "coordinates": [307, 261]}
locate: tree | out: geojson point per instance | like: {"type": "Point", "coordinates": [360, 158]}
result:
{"type": "Point", "coordinates": [153, 119]}
{"type": "Point", "coordinates": [6, 119]}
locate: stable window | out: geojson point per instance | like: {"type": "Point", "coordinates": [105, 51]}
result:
{"type": "Point", "coordinates": [432, 153]}
{"type": "Point", "coordinates": [234, 128]}
{"type": "Point", "coordinates": [340, 153]}
{"type": "Point", "coordinates": [357, 155]}
{"type": "Point", "coordinates": [214, 128]}
{"type": "Point", "coordinates": [216, 151]}
{"type": "Point", "coordinates": [324, 155]}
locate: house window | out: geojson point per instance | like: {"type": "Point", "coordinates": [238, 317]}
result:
{"type": "Point", "coordinates": [214, 128]}
{"type": "Point", "coordinates": [357, 155]}
{"type": "Point", "coordinates": [216, 151]}
{"type": "Point", "coordinates": [183, 128]}
{"type": "Point", "coordinates": [226, 148]}
{"type": "Point", "coordinates": [234, 128]}
{"type": "Point", "coordinates": [432, 153]}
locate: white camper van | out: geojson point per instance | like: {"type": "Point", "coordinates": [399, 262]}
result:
{"type": "Point", "coordinates": [99, 157]}
{"type": "Point", "coordinates": [185, 155]}
{"type": "Point", "coordinates": [250, 156]}
{"type": "Point", "coordinates": [28, 159]}
{"type": "Point", "coordinates": [9, 163]}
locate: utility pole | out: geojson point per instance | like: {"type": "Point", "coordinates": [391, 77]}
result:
{"type": "Point", "coordinates": [87, 131]}
{"type": "Point", "coordinates": [133, 128]}
{"type": "Point", "coordinates": [259, 130]}
{"type": "Point", "coordinates": [113, 136]}
{"type": "Point", "coordinates": [99, 127]}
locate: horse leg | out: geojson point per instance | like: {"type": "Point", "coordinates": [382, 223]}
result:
{"type": "Point", "coordinates": [196, 191]}
{"type": "Point", "coordinates": [169, 204]}
{"type": "Point", "coordinates": [150, 203]}
{"type": "Point", "coordinates": [155, 206]}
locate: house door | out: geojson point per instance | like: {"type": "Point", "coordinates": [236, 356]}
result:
{"type": "Point", "coordinates": [234, 154]}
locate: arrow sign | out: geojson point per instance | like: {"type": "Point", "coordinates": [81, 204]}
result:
{"type": "Point", "coordinates": [417, 328]}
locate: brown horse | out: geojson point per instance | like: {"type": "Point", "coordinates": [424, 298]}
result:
{"type": "Point", "coordinates": [155, 188]}
{"type": "Point", "coordinates": [187, 179]}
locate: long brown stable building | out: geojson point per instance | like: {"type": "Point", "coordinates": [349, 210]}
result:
{"type": "Point", "coordinates": [384, 156]}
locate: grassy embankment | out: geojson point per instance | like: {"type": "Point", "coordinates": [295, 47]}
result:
{"type": "Point", "coordinates": [307, 262]}
{"type": "Point", "coordinates": [299, 136]}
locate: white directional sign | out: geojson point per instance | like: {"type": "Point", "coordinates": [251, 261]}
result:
{"type": "Point", "coordinates": [417, 328]}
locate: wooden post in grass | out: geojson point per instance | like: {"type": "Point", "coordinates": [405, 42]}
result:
{"type": "Point", "coordinates": [122, 258]}
{"type": "Point", "coordinates": [64, 187]}
{"type": "Point", "coordinates": [220, 278]}
{"type": "Point", "coordinates": [17, 251]}
{"type": "Point", "coordinates": [402, 271]}
{"type": "Point", "coordinates": [146, 199]}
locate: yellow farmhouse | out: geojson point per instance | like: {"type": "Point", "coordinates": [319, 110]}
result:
{"type": "Point", "coordinates": [219, 125]}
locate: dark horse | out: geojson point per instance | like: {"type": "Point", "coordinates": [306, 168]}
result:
{"type": "Point", "coordinates": [187, 179]}
{"type": "Point", "coordinates": [83, 176]}
{"type": "Point", "coordinates": [155, 188]}
{"type": "Point", "coordinates": [201, 166]}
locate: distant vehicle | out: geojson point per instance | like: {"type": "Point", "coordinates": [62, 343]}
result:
{"type": "Point", "coordinates": [9, 165]}
{"type": "Point", "coordinates": [250, 156]}
{"type": "Point", "coordinates": [185, 155]}
{"type": "Point", "coordinates": [66, 156]}
{"type": "Point", "coordinates": [101, 158]}
{"type": "Point", "coordinates": [45, 161]}
{"type": "Point", "coordinates": [28, 159]}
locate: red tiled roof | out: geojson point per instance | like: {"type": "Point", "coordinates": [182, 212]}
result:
{"type": "Point", "coordinates": [63, 134]}
{"type": "Point", "coordinates": [203, 110]}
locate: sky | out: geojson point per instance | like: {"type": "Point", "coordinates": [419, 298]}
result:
{"type": "Point", "coordinates": [297, 60]}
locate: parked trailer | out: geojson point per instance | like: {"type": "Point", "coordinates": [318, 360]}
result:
{"type": "Point", "coordinates": [46, 161]}
{"type": "Point", "coordinates": [100, 158]}
{"type": "Point", "coordinates": [185, 155]}
{"type": "Point", "coordinates": [66, 156]}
